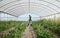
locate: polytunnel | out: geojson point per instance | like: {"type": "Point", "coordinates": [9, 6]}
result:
{"type": "Point", "coordinates": [39, 7]}
{"type": "Point", "coordinates": [47, 13]}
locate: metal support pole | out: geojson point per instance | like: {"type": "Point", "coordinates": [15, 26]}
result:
{"type": "Point", "coordinates": [29, 6]}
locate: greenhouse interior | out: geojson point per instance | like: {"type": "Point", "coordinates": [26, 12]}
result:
{"type": "Point", "coordinates": [29, 18]}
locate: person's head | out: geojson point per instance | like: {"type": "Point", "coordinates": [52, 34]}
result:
{"type": "Point", "coordinates": [29, 15]}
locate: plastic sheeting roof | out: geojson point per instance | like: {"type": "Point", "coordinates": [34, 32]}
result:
{"type": "Point", "coordinates": [39, 7]}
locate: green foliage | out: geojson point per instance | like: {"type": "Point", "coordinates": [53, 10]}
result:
{"type": "Point", "coordinates": [46, 28]}
{"type": "Point", "coordinates": [41, 32]}
{"type": "Point", "coordinates": [17, 32]}
{"type": "Point", "coordinates": [6, 25]}
{"type": "Point", "coordinates": [52, 25]}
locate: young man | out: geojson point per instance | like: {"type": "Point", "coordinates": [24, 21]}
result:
{"type": "Point", "coordinates": [30, 21]}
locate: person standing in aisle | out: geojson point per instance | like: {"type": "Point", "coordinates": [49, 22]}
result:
{"type": "Point", "coordinates": [30, 21]}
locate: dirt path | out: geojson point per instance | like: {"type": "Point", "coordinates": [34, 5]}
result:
{"type": "Point", "coordinates": [29, 33]}
{"type": "Point", "coordinates": [7, 31]}
{"type": "Point", "coordinates": [57, 35]}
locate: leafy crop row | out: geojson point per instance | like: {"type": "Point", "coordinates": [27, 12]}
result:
{"type": "Point", "coordinates": [17, 32]}
{"type": "Point", "coordinates": [41, 32]}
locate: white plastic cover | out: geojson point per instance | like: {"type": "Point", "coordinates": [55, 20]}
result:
{"type": "Point", "coordinates": [39, 7]}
